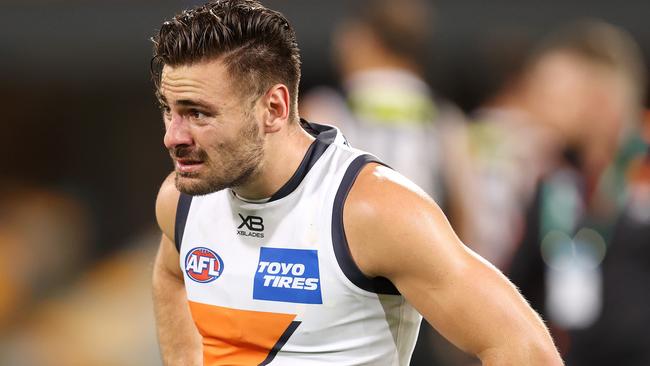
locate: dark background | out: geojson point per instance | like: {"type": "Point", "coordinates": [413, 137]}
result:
{"type": "Point", "coordinates": [79, 120]}
{"type": "Point", "coordinates": [77, 107]}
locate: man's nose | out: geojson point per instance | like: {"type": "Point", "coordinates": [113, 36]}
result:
{"type": "Point", "coordinates": [177, 133]}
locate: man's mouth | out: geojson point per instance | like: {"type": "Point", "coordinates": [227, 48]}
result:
{"type": "Point", "coordinates": [188, 165]}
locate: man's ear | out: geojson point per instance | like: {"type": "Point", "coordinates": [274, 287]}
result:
{"type": "Point", "coordinates": [276, 104]}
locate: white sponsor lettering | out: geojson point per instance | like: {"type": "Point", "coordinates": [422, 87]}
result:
{"type": "Point", "coordinates": [285, 282]}
{"type": "Point", "coordinates": [286, 267]}
{"type": "Point", "coordinates": [296, 283]}
{"type": "Point", "coordinates": [276, 281]}
{"type": "Point", "coordinates": [267, 280]}
{"type": "Point", "coordinates": [311, 284]}
{"type": "Point", "coordinates": [263, 266]}
{"type": "Point", "coordinates": [286, 275]}
{"type": "Point", "coordinates": [296, 269]}
{"type": "Point", "coordinates": [274, 268]}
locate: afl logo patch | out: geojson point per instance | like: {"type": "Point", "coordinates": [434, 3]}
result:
{"type": "Point", "coordinates": [203, 265]}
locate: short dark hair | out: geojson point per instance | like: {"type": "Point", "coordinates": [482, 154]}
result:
{"type": "Point", "coordinates": [258, 45]}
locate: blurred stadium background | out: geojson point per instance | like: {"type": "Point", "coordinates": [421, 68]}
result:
{"type": "Point", "coordinates": [82, 154]}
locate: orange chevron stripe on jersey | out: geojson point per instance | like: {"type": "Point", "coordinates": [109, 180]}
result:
{"type": "Point", "coordinates": [236, 337]}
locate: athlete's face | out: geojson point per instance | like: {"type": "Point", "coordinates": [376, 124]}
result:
{"type": "Point", "coordinates": [211, 131]}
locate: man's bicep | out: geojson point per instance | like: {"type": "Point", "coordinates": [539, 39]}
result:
{"type": "Point", "coordinates": [395, 231]}
{"type": "Point", "coordinates": [180, 341]}
{"type": "Point", "coordinates": [167, 260]}
{"type": "Point", "coordinates": [464, 297]}
{"type": "Point", "coordinates": [166, 205]}
{"type": "Point", "coordinates": [472, 305]}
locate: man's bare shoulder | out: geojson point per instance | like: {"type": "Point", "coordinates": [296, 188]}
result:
{"type": "Point", "coordinates": [166, 203]}
{"type": "Point", "coordinates": [381, 194]}
{"type": "Point", "coordinates": [385, 214]}
{"type": "Point", "coordinates": [376, 181]}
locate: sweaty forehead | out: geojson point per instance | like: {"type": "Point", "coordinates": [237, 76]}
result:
{"type": "Point", "coordinates": [204, 80]}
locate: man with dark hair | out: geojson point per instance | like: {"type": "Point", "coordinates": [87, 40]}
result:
{"type": "Point", "coordinates": [255, 215]}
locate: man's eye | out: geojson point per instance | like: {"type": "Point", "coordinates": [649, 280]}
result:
{"type": "Point", "coordinates": [196, 114]}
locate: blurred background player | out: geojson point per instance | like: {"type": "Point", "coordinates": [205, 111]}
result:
{"type": "Point", "coordinates": [549, 157]}
{"type": "Point", "coordinates": [619, 335]}
{"type": "Point", "coordinates": [386, 106]}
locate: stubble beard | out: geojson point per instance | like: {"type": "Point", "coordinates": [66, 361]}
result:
{"type": "Point", "coordinates": [239, 162]}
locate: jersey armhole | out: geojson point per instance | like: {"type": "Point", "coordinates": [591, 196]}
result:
{"type": "Point", "coordinates": [378, 285]}
{"type": "Point", "coordinates": [182, 210]}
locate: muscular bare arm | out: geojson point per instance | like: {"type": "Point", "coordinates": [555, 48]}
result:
{"type": "Point", "coordinates": [180, 342]}
{"type": "Point", "coordinates": [397, 232]}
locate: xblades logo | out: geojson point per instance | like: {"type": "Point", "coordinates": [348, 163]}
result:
{"type": "Point", "coordinates": [254, 225]}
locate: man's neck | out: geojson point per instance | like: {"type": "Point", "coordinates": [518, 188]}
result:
{"type": "Point", "coordinates": [284, 152]}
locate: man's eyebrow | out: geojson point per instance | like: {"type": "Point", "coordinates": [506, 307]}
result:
{"type": "Point", "coordinates": [187, 102]}
{"type": "Point", "coordinates": [193, 103]}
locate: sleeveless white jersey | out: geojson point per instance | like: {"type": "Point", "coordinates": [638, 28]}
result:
{"type": "Point", "coordinates": [273, 283]}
